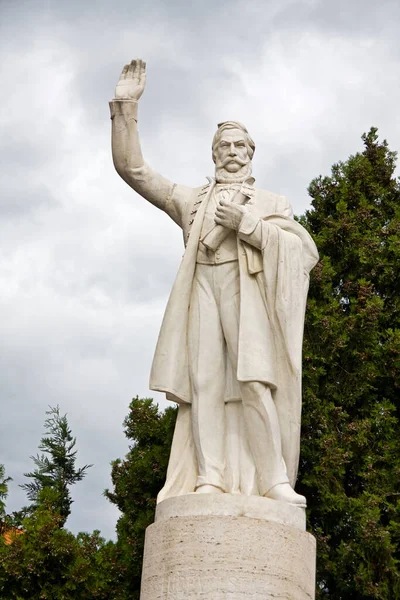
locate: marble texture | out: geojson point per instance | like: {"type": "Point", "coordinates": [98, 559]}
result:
{"type": "Point", "coordinates": [229, 349]}
{"type": "Point", "coordinates": [227, 558]}
{"type": "Point", "coordinates": [230, 505]}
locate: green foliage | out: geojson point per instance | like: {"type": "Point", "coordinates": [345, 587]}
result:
{"type": "Point", "coordinates": [350, 461]}
{"type": "Point", "coordinates": [137, 481]}
{"type": "Point", "coordinates": [47, 562]}
{"type": "Point", "coordinates": [55, 469]}
{"type": "Point", "coordinates": [3, 490]}
{"type": "Point", "coordinates": [3, 497]}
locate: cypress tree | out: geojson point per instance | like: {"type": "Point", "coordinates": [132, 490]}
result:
{"type": "Point", "coordinates": [55, 467]}
{"type": "Point", "coordinates": [350, 457]}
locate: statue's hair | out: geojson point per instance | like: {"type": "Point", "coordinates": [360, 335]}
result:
{"type": "Point", "coordinates": [232, 125]}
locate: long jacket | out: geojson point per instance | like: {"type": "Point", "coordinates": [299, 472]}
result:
{"type": "Point", "coordinates": [275, 258]}
{"type": "Point", "coordinates": [274, 265]}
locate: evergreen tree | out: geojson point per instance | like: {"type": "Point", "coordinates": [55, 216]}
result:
{"type": "Point", "coordinates": [350, 454]}
{"type": "Point", "coordinates": [137, 481]}
{"type": "Point", "coordinates": [55, 468]}
{"type": "Point", "coordinates": [3, 496]}
{"type": "Point", "coordinates": [47, 562]}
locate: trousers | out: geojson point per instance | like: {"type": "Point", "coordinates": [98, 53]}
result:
{"type": "Point", "coordinates": [213, 338]}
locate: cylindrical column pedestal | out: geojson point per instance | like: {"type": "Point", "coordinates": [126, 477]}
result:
{"type": "Point", "coordinates": [226, 557]}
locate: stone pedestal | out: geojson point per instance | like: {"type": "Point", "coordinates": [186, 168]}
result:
{"type": "Point", "coordinates": [224, 547]}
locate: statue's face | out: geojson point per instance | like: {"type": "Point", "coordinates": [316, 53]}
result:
{"type": "Point", "coordinates": [231, 152]}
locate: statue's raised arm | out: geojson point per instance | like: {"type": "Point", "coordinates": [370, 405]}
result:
{"type": "Point", "coordinates": [126, 150]}
{"type": "Point", "coordinates": [127, 154]}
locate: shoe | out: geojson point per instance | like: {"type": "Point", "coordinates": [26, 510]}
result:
{"type": "Point", "coordinates": [283, 492]}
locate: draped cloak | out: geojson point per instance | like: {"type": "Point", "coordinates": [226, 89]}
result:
{"type": "Point", "coordinates": [270, 341]}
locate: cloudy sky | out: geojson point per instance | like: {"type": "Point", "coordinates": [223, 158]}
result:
{"type": "Point", "coordinates": [85, 264]}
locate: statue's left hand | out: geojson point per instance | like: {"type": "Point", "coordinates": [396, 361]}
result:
{"type": "Point", "coordinates": [229, 214]}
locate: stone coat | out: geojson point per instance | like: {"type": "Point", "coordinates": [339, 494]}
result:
{"type": "Point", "coordinates": [269, 343]}
{"type": "Point", "coordinates": [275, 256]}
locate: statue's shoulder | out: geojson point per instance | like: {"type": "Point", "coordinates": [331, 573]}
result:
{"type": "Point", "coordinates": [203, 189]}
{"type": "Point", "coordinates": [270, 200]}
{"type": "Point", "coordinates": [188, 195]}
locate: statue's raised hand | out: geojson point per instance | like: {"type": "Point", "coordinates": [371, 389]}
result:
{"type": "Point", "coordinates": [132, 81]}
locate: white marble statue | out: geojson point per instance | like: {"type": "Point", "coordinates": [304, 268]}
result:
{"type": "Point", "coordinates": [229, 349]}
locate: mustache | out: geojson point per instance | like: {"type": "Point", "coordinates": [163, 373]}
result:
{"type": "Point", "coordinates": [235, 159]}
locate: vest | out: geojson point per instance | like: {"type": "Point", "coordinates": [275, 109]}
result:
{"type": "Point", "coordinates": [227, 251]}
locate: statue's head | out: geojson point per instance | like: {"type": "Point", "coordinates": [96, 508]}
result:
{"type": "Point", "coordinates": [232, 152]}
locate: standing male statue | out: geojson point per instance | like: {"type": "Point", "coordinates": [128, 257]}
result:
{"type": "Point", "coordinates": [229, 349]}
